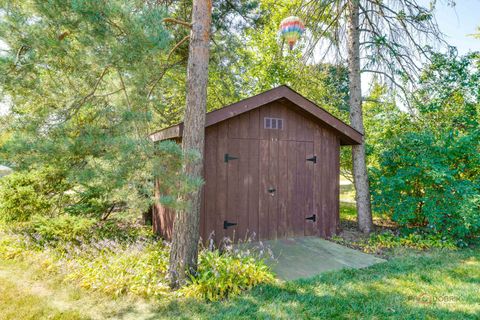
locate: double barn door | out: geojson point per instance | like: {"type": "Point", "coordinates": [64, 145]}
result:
{"type": "Point", "coordinates": [270, 189]}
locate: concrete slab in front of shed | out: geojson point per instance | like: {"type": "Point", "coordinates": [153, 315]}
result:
{"type": "Point", "coordinates": [306, 257]}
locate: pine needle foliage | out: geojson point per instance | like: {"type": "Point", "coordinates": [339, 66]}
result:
{"type": "Point", "coordinates": [81, 77]}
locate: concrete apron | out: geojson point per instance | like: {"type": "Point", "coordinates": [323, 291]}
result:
{"type": "Point", "coordinates": [305, 257]}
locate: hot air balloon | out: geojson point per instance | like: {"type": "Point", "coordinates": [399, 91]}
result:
{"type": "Point", "coordinates": [291, 29]}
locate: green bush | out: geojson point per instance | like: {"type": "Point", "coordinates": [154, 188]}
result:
{"type": "Point", "coordinates": [118, 269]}
{"type": "Point", "coordinates": [63, 228]}
{"type": "Point", "coordinates": [388, 240]}
{"type": "Point", "coordinates": [24, 194]}
{"type": "Point", "coordinates": [58, 231]}
{"type": "Point", "coordinates": [221, 275]}
{"type": "Point", "coordinates": [428, 183]}
{"type": "Point", "coordinates": [428, 175]}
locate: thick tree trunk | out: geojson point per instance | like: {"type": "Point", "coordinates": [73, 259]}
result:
{"type": "Point", "coordinates": [360, 176]}
{"type": "Point", "coordinates": [184, 250]}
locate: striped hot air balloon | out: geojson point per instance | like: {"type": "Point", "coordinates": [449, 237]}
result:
{"type": "Point", "coordinates": [291, 29]}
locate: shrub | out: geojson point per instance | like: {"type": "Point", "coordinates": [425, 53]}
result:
{"type": "Point", "coordinates": [221, 275]}
{"type": "Point", "coordinates": [428, 175]}
{"type": "Point", "coordinates": [117, 269]}
{"type": "Point", "coordinates": [25, 194]}
{"type": "Point", "coordinates": [414, 240]}
{"type": "Point", "coordinates": [429, 183]}
{"type": "Point", "coordinates": [19, 200]}
{"type": "Point", "coordinates": [57, 231]}
{"type": "Point", "coordinates": [63, 228]}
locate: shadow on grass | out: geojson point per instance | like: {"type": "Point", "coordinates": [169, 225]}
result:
{"type": "Point", "coordinates": [441, 285]}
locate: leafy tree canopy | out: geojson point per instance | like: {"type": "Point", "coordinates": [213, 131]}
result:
{"type": "Point", "coordinates": [428, 175]}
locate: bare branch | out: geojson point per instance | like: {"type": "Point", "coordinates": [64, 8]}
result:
{"type": "Point", "coordinates": [176, 21]}
{"type": "Point", "coordinates": [177, 46]}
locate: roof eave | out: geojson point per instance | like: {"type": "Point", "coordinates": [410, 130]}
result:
{"type": "Point", "coordinates": [347, 134]}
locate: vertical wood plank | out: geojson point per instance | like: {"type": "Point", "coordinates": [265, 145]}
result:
{"type": "Point", "coordinates": [325, 212]}
{"type": "Point", "coordinates": [328, 184]}
{"type": "Point", "coordinates": [210, 188]}
{"type": "Point", "coordinates": [253, 190]}
{"type": "Point", "coordinates": [243, 125]}
{"type": "Point", "coordinates": [282, 189]}
{"type": "Point", "coordinates": [310, 226]}
{"type": "Point", "coordinates": [254, 126]}
{"type": "Point", "coordinates": [291, 187]}
{"type": "Point", "coordinates": [233, 186]}
{"type": "Point", "coordinates": [245, 182]}
{"type": "Point", "coordinates": [308, 129]}
{"type": "Point", "coordinates": [318, 177]}
{"type": "Point", "coordinates": [221, 185]}
{"type": "Point", "coordinates": [202, 211]}
{"type": "Point", "coordinates": [336, 207]}
{"type": "Point", "coordinates": [301, 122]}
{"type": "Point", "coordinates": [273, 197]}
{"type": "Point", "coordinates": [292, 125]}
{"type": "Point", "coordinates": [233, 127]}
{"type": "Point", "coordinates": [300, 190]}
{"type": "Point", "coordinates": [263, 193]}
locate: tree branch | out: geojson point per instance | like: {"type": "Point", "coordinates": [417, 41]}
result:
{"type": "Point", "coordinates": [177, 45]}
{"type": "Point", "coordinates": [176, 21]}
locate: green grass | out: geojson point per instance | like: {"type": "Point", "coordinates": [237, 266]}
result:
{"type": "Point", "coordinates": [25, 300]}
{"type": "Point", "coordinates": [439, 284]}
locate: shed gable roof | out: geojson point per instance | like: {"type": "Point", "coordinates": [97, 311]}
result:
{"type": "Point", "coordinates": [347, 134]}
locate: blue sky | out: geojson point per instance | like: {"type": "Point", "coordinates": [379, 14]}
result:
{"type": "Point", "coordinates": [458, 22]}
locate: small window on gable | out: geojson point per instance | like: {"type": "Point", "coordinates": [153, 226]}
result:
{"type": "Point", "coordinates": [273, 123]}
{"type": "Point", "coordinates": [279, 124]}
{"type": "Point", "coordinates": [268, 123]}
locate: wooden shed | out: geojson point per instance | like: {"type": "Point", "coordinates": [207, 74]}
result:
{"type": "Point", "coordinates": [271, 169]}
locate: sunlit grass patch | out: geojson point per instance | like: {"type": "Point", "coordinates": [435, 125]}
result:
{"type": "Point", "coordinates": [20, 304]}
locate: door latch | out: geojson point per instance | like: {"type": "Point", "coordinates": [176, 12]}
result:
{"type": "Point", "coordinates": [312, 218]}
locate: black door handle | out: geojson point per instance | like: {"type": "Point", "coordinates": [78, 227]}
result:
{"type": "Point", "coordinates": [313, 218]}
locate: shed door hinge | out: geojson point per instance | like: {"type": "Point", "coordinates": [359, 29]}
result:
{"type": "Point", "coordinates": [313, 218]}
{"type": "Point", "coordinates": [313, 159]}
{"type": "Point", "coordinates": [228, 157]}
{"type": "Point", "coordinates": [227, 224]}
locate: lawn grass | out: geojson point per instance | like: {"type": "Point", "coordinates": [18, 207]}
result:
{"type": "Point", "coordinates": [439, 284]}
{"type": "Point", "coordinates": [18, 301]}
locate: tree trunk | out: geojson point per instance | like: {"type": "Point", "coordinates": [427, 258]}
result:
{"type": "Point", "coordinates": [184, 250]}
{"type": "Point", "coordinates": [360, 176]}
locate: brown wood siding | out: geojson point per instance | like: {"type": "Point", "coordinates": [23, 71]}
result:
{"type": "Point", "coordinates": [237, 190]}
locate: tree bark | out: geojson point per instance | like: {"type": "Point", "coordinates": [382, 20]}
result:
{"type": "Point", "coordinates": [185, 237]}
{"type": "Point", "coordinates": [360, 177]}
